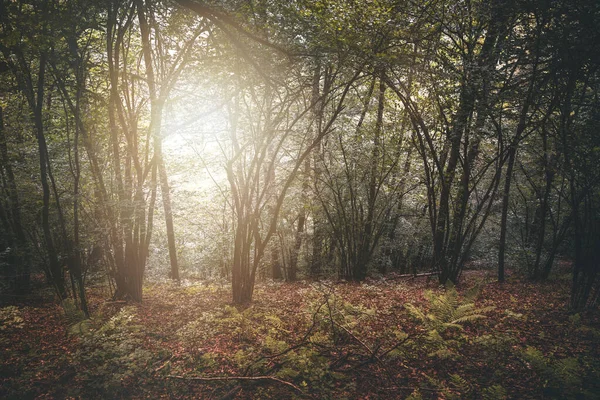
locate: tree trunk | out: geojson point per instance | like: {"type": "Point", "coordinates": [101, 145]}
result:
{"type": "Point", "coordinates": [21, 250]}
{"type": "Point", "coordinates": [156, 107]}
{"type": "Point", "coordinates": [55, 269]}
{"type": "Point", "coordinates": [316, 260]}
{"type": "Point", "coordinates": [442, 225]}
{"type": "Point", "coordinates": [544, 207]}
{"type": "Point", "coordinates": [504, 218]}
{"type": "Point", "coordinates": [166, 197]}
{"type": "Point", "coordinates": [275, 263]}
{"type": "Point", "coordinates": [292, 273]}
{"type": "Point", "coordinates": [119, 237]}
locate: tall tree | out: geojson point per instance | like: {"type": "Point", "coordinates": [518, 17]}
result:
{"type": "Point", "coordinates": [27, 58]}
{"type": "Point", "coordinates": [161, 76]}
{"type": "Point", "coordinates": [135, 212]}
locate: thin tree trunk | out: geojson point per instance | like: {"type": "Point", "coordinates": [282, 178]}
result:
{"type": "Point", "coordinates": [442, 225]}
{"type": "Point", "coordinates": [166, 197]}
{"type": "Point", "coordinates": [549, 175]}
{"type": "Point", "coordinates": [21, 250]}
{"type": "Point", "coordinates": [292, 275]}
{"type": "Point", "coordinates": [76, 267]}
{"type": "Point", "coordinates": [156, 105]}
{"type": "Point", "coordinates": [317, 115]}
{"type": "Point", "coordinates": [55, 268]}
{"type": "Point", "coordinates": [504, 218]}
{"type": "Point", "coordinates": [117, 234]}
{"type": "Point", "coordinates": [275, 263]}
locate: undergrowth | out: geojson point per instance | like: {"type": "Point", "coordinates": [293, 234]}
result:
{"type": "Point", "coordinates": [112, 354]}
{"type": "Point", "coordinates": [311, 341]}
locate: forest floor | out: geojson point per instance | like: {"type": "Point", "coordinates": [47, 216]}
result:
{"type": "Point", "coordinates": [382, 339]}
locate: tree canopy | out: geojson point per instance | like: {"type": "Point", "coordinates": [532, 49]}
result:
{"type": "Point", "coordinates": [250, 140]}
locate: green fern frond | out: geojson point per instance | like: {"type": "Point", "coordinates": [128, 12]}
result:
{"type": "Point", "coordinates": [495, 392]}
{"type": "Point", "coordinates": [460, 383]}
{"type": "Point", "coordinates": [449, 325]}
{"type": "Point", "coordinates": [447, 310]}
{"type": "Point", "coordinates": [485, 310]}
{"type": "Point", "coordinates": [564, 374]}
{"type": "Point", "coordinates": [568, 371]}
{"type": "Point", "coordinates": [468, 318]}
{"type": "Point", "coordinates": [81, 328]}
{"type": "Point", "coordinates": [443, 354]}
{"type": "Point", "coordinates": [74, 318]}
{"type": "Point", "coordinates": [463, 309]}
{"type": "Point", "coordinates": [415, 312]}
{"type": "Point", "coordinates": [434, 336]}
{"type": "Point", "coordinates": [473, 293]}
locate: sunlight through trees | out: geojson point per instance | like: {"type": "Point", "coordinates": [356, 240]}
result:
{"type": "Point", "coordinates": [264, 140]}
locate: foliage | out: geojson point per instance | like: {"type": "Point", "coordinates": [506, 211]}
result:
{"type": "Point", "coordinates": [329, 340]}
{"type": "Point", "coordinates": [263, 346]}
{"type": "Point", "coordinates": [73, 315]}
{"type": "Point", "coordinates": [562, 377]}
{"type": "Point", "coordinates": [314, 138]}
{"type": "Point", "coordinates": [113, 353]}
{"type": "Point", "coordinates": [10, 318]}
{"type": "Point", "coordinates": [247, 326]}
{"type": "Point", "coordinates": [495, 392]}
{"type": "Point", "coordinates": [448, 310]}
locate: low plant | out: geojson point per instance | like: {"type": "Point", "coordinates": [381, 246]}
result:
{"type": "Point", "coordinates": [448, 310]}
{"type": "Point", "coordinates": [11, 318]}
{"type": "Point", "coordinates": [113, 353]}
{"type": "Point", "coordinates": [561, 377]}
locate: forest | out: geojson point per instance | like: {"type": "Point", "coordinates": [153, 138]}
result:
{"type": "Point", "coordinates": [242, 199]}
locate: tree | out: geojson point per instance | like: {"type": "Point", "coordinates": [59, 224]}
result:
{"type": "Point", "coordinates": [452, 122]}
{"type": "Point", "coordinates": [278, 134]}
{"type": "Point", "coordinates": [358, 194]}
{"type": "Point", "coordinates": [27, 58]}
{"type": "Point", "coordinates": [160, 85]}
{"type": "Point", "coordinates": [132, 230]}
{"type": "Point", "coordinates": [14, 238]}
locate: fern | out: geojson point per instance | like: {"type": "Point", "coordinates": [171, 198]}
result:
{"type": "Point", "coordinates": [114, 352]}
{"type": "Point", "coordinates": [562, 376]}
{"type": "Point", "coordinates": [495, 392]}
{"type": "Point", "coordinates": [460, 384]}
{"type": "Point", "coordinates": [448, 311]}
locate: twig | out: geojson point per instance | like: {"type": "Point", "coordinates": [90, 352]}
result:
{"type": "Point", "coordinates": [400, 343]}
{"type": "Point", "coordinates": [411, 388]}
{"type": "Point", "coordinates": [235, 378]}
{"type": "Point", "coordinates": [164, 364]}
{"type": "Point", "coordinates": [231, 393]}
{"type": "Point", "coordinates": [373, 354]}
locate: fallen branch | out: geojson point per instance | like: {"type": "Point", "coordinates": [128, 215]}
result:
{"type": "Point", "coordinates": [235, 378]}
{"type": "Point", "coordinates": [394, 277]}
